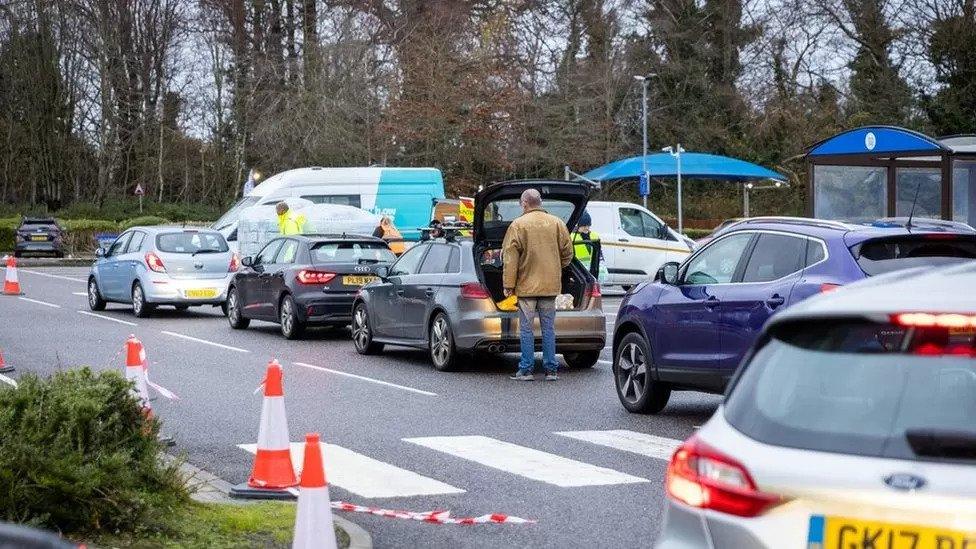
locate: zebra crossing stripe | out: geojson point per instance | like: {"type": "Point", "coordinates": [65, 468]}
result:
{"type": "Point", "coordinates": [629, 441]}
{"type": "Point", "coordinates": [526, 462]}
{"type": "Point", "coordinates": [365, 476]}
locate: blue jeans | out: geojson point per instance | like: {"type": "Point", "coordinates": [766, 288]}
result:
{"type": "Point", "coordinates": [546, 308]}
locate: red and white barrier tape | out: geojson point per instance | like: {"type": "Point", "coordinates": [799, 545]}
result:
{"type": "Point", "coordinates": [434, 517]}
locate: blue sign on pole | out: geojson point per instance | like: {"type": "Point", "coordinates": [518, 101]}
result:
{"type": "Point", "coordinates": [644, 187]}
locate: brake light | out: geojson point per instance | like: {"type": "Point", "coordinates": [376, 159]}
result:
{"type": "Point", "coordinates": [154, 263]}
{"type": "Point", "coordinates": [593, 290]}
{"type": "Point", "coordinates": [828, 287]}
{"type": "Point", "coordinates": [307, 276]}
{"type": "Point", "coordinates": [703, 477]}
{"type": "Point", "coordinates": [932, 320]}
{"type": "Point", "coordinates": [474, 290]}
{"type": "Point", "coordinates": [235, 263]}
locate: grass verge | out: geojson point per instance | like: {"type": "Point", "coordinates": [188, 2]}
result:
{"type": "Point", "coordinates": [266, 524]}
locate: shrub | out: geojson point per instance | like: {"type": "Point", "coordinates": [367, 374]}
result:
{"type": "Point", "coordinates": [143, 220]}
{"type": "Point", "coordinates": [78, 455]}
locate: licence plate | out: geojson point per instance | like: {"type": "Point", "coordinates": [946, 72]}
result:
{"type": "Point", "coordinates": [39, 238]}
{"type": "Point", "coordinates": [357, 280]}
{"type": "Point", "coordinates": [203, 293]}
{"type": "Point", "coordinates": [845, 533]}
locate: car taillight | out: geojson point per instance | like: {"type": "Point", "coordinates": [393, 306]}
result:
{"type": "Point", "coordinates": [593, 290]}
{"type": "Point", "coordinates": [703, 477]}
{"type": "Point", "coordinates": [934, 320]}
{"type": "Point", "coordinates": [154, 263]}
{"type": "Point", "coordinates": [828, 287]}
{"type": "Point", "coordinates": [307, 276]}
{"type": "Point", "coordinates": [474, 290]}
{"type": "Point", "coordinates": [235, 263]}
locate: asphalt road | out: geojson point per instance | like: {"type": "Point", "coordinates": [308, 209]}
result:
{"type": "Point", "coordinates": [406, 436]}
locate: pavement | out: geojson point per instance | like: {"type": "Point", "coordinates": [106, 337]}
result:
{"type": "Point", "coordinates": [398, 433]}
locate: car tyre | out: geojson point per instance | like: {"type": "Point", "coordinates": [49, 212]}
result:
{"type": "Point", "coordinates": [292, 327]}
{"type": "Point", "coordinates": [18, 253]}
{"type": "Point", "coordinates": [235, 316]}
{"type": "Point", "coordinates": [440, 344]}
{"type": "Point", "coordinates": [362, 333]}
{"type": "Point", "coordinates": [95, 301]}
{"type": "Point", "coordinates": [140, 307]}
{"type": "Point", "coordinates": [632, 371]}
{"type": "Point", "coordinates": [582, 359]}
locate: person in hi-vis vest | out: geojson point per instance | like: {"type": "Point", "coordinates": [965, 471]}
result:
{"type": "Point", "coordinates": [582, 239]}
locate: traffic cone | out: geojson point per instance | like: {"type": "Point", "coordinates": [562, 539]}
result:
{"type": "Point", "coordinates": [11, 286]}
{"type": "Point", "coordinates": [313, 518]}
{"type": "Point", "coordinates": [273, 472]}
{"type": "Point", "coordinates": [4, 368]}
{"type": "Point", "coordinates": [135, 371]}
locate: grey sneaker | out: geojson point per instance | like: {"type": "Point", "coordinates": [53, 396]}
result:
{"type": "Point", "coordinates": [551, 376]}
{"type": "Point", "coordinates": [519, 376]}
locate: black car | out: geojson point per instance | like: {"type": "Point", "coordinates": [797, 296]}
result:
{"type": "Point", "coordinates": [304, 280]}
{"type": "Point", "coordinates": [39, 235]}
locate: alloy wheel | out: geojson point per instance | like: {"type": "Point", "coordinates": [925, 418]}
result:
{"type": "Point", "coordinates": [232, 311]}
{"type": "Point", "coordinates": [632, 373]}
{"type": "Point", "coordinates": [360, 328]}
{"type": "Point", "coordinates": [287, 316]}
{"type": "Point", "coordinates": [440, 342]}
{"type": "Point", "coordinates": [92, 294]}
{"type": "Point", "coordinates": [137, 300]}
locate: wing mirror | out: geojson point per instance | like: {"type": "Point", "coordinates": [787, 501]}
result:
{"type": "Point", "coordinates": [668, 273]}
{"type": "Point", "coordinates": [383, 272]}
{"type": "Point", "coordinates": [247, 261]}
{"type": "Point", "coordinates": [100, 252]}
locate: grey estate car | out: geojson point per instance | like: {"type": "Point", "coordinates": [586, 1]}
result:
{"type": "Point", "coordinates": [151, 266]}
{"type": "Point", "coordinates": [442, 294]}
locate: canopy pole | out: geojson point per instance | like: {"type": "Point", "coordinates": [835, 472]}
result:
{"type": "Point", "coordinates": [745, 200]}
{"type": "Point", "coordinates": [680, 220]}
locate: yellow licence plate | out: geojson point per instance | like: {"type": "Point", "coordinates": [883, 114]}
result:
{"type": "Point", "coordinates": [39, 237]}
{"type": "Point", "coordinates": [203, 293]}
{"type": "Point", "coordinates": [357, 280]}
{"type": "Point", "coordinates": [844, 533]}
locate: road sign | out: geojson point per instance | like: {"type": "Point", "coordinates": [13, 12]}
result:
{"type": "Point", "coordinates": [644, 188]}
{"type": "Point", "coordinates": [139, 190]}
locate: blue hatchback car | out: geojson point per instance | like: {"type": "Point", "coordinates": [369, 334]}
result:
{"type": "Point", "coordinates": [689, 328]}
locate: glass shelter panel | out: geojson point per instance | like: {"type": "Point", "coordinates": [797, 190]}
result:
{"type": "Point", "coordinates": [964, 191]}
{"type": "Point", "coordinates": [927, 183]}
{"type": "Point", "coordinates": [850, 193]}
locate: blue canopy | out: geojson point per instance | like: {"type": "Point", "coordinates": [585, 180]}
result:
{"type": "Point", "coordinates": [877, 140]}
{"type": "Point", "coordinates": [693, 165]}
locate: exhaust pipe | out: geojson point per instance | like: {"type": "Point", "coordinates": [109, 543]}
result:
{"type": "Point", "coordinates": [496, 348]}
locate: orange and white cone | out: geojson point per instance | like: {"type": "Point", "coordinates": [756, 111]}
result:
{"type": "Point", "coordinates": [135, 371]}
{"type": "Point", "coordinates": [273, 472]}
{"type": "Point", "coordinates": [4, 367]}
{"type": "Point", "coordinates": [11, 285]}
{"type": "Point", "coordinates": [313, 518]}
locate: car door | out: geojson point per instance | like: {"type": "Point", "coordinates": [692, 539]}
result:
{"type": "Point", "coordinates": [641, 251]}
{"type": "Point", "coordinates": [420, 290]}
{"type": "Point", "coordinates": [109, 275]}
{"type": "Point", "coordinates": [687, 331]}
{"type": "Point", "coordinates": [130, 261]}
{"type": "Point", "coordinates": [774, 265]}
{"type": "Point", "coordinates": [283, 261]}
{"type": "Point", "coordinates": [255, 293]}
{"type": "Point", "coordinates": [387, 305]}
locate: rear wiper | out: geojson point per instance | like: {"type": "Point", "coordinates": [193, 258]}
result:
{"type": "Point", "coordinates": [205, 251]}
{"type": "Point", "coordinates": [367, 260]}
{"type": "Point", "coordinates": [942, 443]}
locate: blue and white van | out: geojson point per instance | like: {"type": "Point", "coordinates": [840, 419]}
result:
{"type": "Point", "coordinates": [407, 195]}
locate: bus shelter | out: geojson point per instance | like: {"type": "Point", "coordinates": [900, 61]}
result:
{"type": "Point", "coordinates": [875, 172]}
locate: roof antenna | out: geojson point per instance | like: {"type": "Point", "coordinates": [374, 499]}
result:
{"type": "Point", "coordinates": [911, 214]}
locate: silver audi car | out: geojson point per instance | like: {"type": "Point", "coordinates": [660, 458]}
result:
{"type": "Point", "coordinates": [443, 295]}
{"type": "Point", "coordinates": [851, 424]}
{"type": "Point", "coordinates": [152, 266]}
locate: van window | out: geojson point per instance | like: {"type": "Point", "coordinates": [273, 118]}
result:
{"type": "Point", "coordinates": [637, 223]}
{"type": "Point", "coordinates": [339, 199]}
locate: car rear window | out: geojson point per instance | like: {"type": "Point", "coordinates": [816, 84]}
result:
{"type": "Point", "coordinates": [189, 242]}
{"type": "Point", "coordinates": [860, 387]}
{"type": "Point", "coordinates": [883, 255]}
{"type": "Point", "coordinates": [351, 252]}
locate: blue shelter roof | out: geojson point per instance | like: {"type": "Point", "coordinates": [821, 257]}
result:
{"type": "Point", "coordinates": [693, 165]}
{"type": "Point", "coordinates": [877, 140]}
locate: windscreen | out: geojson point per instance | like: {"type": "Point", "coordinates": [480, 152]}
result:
{"type": "Point", "coordinates": [191, 242]}
{"type": "Point", "coordinates": [34, 224]}
{"type": "Point", "coordinates": [883, 255]}
{"type": "Point", "coordinates": [351, 252]}
{"type": "Point", "coordinates": [859, 387]}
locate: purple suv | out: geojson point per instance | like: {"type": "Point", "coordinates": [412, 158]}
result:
{"type": "Point", "coordinates": [689, 328]}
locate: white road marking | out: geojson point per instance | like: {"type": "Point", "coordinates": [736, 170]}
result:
{"type": "Point", "coordinates": [606, 362]}
{"type": "Point", "coordinates": [365, 476]}
{"type": "Point", "coordinates": [8, 381]}
{"type": "Point", "coordinates": [82, 294]}
{"type": "Point", "coordinates": [163, 391]}
{"type": "Point", "coordinates": [103, 317]}
{"type": "Point", "coordinates": [364, 378]}
{"type": "Point", "coordinates": [526, 462]}
{"type": "Point", "coordinates": [629, 441]}
{"type": "Point", "coordinates": [39, 302]}
{"type": "Point", "coordinates": [38, 273]}
{"type": "Point", "coordinates": [205, 342]}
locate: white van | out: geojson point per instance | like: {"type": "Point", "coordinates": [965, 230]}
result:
{"type": "Point", "coordinates": [407, 195]}
{"type": "Point", "coordinates": [634, 241]}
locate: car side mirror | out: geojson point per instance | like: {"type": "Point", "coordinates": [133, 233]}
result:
{"type": "Point", "coordinates": [101, 252]}
{"type": "Point", "coordinates": [383, 272]}
{"type": "Point", "coordinates": [247, 261]}
{"type": "Point", "coordinates": [668, 273]}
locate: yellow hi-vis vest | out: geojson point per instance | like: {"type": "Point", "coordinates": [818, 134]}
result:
{"type": "Point", "coordinates": [289, 223]}
{"type": "Point", "coordinates": [582, 247]}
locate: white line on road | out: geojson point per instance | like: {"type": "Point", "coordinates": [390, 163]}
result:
{"type": "Point", "coordinates": [364, 378]}
{"type": "Point", "coordinates": [365, 476]}
{"type": "Point", "coordinates": [82, 294]}
{"type": "Point", "coordinates": [526, 462]}
{"type": "Point", "coordinates": [8, 381]}
{"type": "Point", "coordinates": [103, 317]}
{"type": "Point", "coordinates": [45, 303]}
{"type": "Point", "coordinates": [629, 441]}
{"type": "Point", "coordinates": [163, 391]}
{"type": "Point", "coordinates": [606, 362]}
{"type": "Point", "coordinates": [205, 342]}
{"type": "Point", "coordinates": [38, 273]}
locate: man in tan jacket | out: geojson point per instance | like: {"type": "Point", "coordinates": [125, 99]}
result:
{"type": "Point", "coordinates": [536, 249]}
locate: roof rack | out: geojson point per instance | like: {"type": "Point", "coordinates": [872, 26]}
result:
{"type": "Point", "coordinates": [452, 231]}
{"type": "Point", "coordinates": [336, 235]}
{"type": "Point", "coordinates": [806, 221]}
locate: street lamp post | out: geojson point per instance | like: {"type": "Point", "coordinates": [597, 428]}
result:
{"type": "Point", "coordinates": [644, 80]}
{"type": "Point", "coordinates": [676, 153]}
